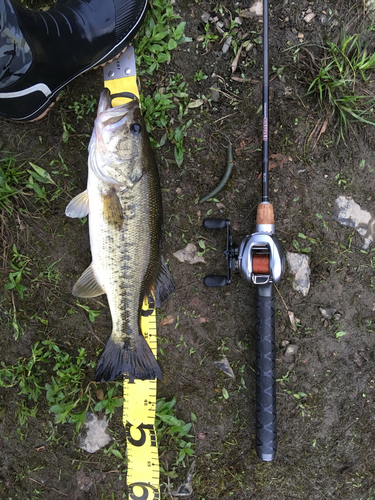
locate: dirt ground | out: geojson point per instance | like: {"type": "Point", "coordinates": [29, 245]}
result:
{"type": "Point", "coordinates": [326, 391]}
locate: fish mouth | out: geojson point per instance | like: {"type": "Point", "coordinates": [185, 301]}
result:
{"type": "Point", "coordinates": [107, 112]}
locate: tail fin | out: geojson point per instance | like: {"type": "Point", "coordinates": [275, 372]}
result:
{"type": "Point", "coordinates": [118, 359]}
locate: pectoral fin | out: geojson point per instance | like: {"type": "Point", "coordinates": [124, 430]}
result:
{"type": "Point", "coordinates": [79, 206]}
{"type": "Point", "coordinates": [87, 285]}
{"type": "Point", "coordinates": [112, 209]}
{"type": "Point", "coordinates": [164, 284]}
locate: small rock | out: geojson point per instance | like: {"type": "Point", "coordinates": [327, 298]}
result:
{"type": "Point", "coordinates": [351, 214]}
{"type": "Point", "coordinates": [327, 313]}
{"type": "Point", "coordinates": [370, 4]}
{"type": "Point", "coordinates": [178, 190]}
{"type": "Point", "coordinates": [249, 47]}
{"type": "Point", "coordinates": [215, 95]}
{"type": "Point", "coordinates": [220, 205]}
{"type": "Point", "coordinates": [201, 436]}
{"type": "Point", "coordinates": [238, 20]}
{"type": "Point", "coordinates": [205, 17]}
{"type": "Point", "coordinates": [225, 367]}
{"type": "Point", "coordinates": [299, 265]}
{"type": "Point", "coordinates": [323, 19]}
{"type": "Point", "coordinates": [84, 483]}
{"type": "Point", "coordinates": [255, 10]}
{"type": "Point", "coordinates": [291, 350]}
{"type": "Point", "coordinates": [309, 17]}
{"type": "Point", "coordinates": [226, 44]}
{"type": "Point", "coordinates": [94, 434]}
{"type": "Point", "coordinates": [284, 343]}
{"type": "Point", "coordinates": [189, 254]}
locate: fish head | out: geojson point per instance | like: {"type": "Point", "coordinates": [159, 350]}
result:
{"type": "Point", "coordinates": [115, 149]}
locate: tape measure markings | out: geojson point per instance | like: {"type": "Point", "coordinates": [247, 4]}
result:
{"type": "Point", "coordinates": [139, 395]}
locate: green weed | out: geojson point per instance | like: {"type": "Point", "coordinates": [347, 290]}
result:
{"type": "Point", "coordinates": [16, 181]}
{"type": "Point", "coordinates": [83, 107]}
{"type": "Point", "coordinates": [12, 176]}
{"type": "Point", "coordinates": [169, 427]}
{"type": "Point", "coordinates": [199, 76]}
{"type": "Point", "coordinates": [343, 84]}
{"type": "Point", "coordinates": [158, 37]}
{"type": "Point", "coordinates": [61, 378]}
{"type": "Point", "coordinates": [208, 37]}
{"type": "Point", "coordinates": [156, 115]}
{"type": "Point", "coordinates": [19, 264]}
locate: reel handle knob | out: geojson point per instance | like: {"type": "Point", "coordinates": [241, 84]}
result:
{"type": "Point", "coordinates": [215, 280]}
{"type": "Point", "coordinates": [214, 224]}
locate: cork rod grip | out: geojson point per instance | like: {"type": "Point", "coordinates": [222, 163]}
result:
{"type": "Point", "coordinates": [265, 214]}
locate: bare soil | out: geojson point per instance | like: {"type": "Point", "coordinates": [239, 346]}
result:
{"type": "Point", "coordinates": [326, 436]}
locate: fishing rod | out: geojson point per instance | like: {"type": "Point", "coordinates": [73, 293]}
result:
{"type": "Point", "coordinates": [260, 261]}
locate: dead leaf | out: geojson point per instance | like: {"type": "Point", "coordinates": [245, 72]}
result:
{"type": "Point", "coordinates": [292, 321]}
{"type": "Point", "coordinates": [99, 394]}
{"type": "Point", "coordinates": [237, 79]}
{"type": "Point", "coordinates": [168, 320]}
{"type": "Point", "coordinates": [236, 59]}
{"type": "Point", "coordinates": [189, 254]}
{"type": "Point", "coordinates": [322, 130]}
{"type": "Point", "coordinates": [195, 104]}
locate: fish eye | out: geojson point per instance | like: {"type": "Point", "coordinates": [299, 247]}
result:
{"type": "Point", "coordinates": [135, 128]}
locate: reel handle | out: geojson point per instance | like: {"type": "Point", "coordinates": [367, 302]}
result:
{"type": "Point", "coordinates": [214, 223]}
{"type": "Point", "coordinates": [215, 280]}
{"type": "Point", "coordinates": [266, 433]}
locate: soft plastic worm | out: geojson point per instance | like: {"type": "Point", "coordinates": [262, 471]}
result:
{"type": "Point", "coordinates": [224, 180]}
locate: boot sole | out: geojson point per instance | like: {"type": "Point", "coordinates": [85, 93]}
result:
{"type": "Point", "coordinates": [58, 97]}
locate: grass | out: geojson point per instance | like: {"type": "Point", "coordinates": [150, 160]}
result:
{"type": "Point", "coordinates": [174, 438]}
{"type": "Point", "coordinates": [51, 374]}
{"type": "Point", "coordinates": [343, 83]}
{"type": "Point", "coordinates": [159, 36]}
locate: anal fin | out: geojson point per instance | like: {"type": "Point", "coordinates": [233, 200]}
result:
{"type": "Point", "coordinates": [87, 285]}
{"type": "Point", "coordinates": [164, 284]}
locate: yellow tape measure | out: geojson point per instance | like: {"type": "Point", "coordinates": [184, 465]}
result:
{"type": "Point", "coordinates": [139, 395]}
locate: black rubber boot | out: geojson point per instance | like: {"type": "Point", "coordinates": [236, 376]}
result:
{"type": "Point", "coordinates": [41, 52]}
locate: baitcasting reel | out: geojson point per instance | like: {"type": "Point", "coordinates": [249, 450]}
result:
{"type": "Point", "coordinates": [258, 258]}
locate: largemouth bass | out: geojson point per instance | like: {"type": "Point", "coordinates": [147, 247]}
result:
{"type": "Point", "coordinates": [123, 202]}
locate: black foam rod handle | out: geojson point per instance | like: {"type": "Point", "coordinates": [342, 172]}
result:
{"type": "Point", "coordinates": [266, 432]}
{"type": "Point", "coordinates": [214, 223]}
{"type": "Point", "coordinates": [215, 280]}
